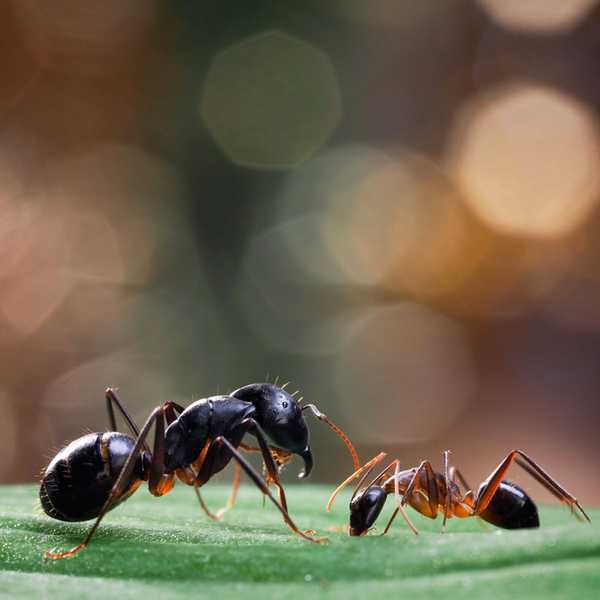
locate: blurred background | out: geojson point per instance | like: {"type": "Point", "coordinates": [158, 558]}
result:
{"type": "Point", "coordinates": [393, 204]}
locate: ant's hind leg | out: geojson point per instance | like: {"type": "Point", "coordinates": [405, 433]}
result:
{"type": "Point", "coordinates": [121, 486]}
{"type": "Point", "coordinates": [531, 467]}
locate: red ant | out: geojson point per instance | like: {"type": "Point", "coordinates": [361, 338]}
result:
{"type": "Point", "coordinates": [497, 501]}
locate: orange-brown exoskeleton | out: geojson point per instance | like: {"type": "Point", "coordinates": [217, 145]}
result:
{"type": "Point", "coordinates": [497, 501]}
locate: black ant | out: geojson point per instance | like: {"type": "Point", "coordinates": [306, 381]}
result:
{"type": "Point", "coordinates": [497, 501]}
{"type": "Point", "coordinates": [98, 471]}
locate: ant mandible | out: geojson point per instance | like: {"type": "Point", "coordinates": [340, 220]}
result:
{"type": "Point", "coordinates": [497, 501]}
{"type": "Point", "coordinates": [98, 471]}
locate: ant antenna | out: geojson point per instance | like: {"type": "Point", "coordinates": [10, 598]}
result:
{"type": "Point", "coordinates": [322, 417]}
{"type": "Point", "coordinates": [364, 471]}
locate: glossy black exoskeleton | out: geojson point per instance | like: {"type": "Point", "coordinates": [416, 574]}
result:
{"type": "Point", "coordinates": [95, 473]}
{"type": "Point", "coordinates": [365, 508]}
{"type": "Point", "coordinates": [260, 409]}
{"type": "Point", "coordinates": [78, 480]}
{"type": "Point", "coordinates": [510, 508]}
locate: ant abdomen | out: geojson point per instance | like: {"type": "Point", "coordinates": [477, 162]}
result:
{"type": "Point", "coordinates": [511, 508]}
{"type": "Point", "coordinates": [77, 482]}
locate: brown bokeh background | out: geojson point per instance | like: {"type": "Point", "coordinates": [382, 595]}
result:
{"type": "Point", "coordinates": [393, 204]}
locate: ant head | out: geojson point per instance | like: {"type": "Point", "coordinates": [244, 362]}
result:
{"type": "Point", "coordinates": [365, 508]}
{"type": "Point", "coordinates": [280, 416]}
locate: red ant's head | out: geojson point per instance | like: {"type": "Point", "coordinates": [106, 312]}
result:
{"type": "Point", "coordinates": [365, 508]}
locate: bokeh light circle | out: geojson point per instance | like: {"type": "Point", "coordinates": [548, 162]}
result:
{"type": "Point", "coordinates": [271, 101]}
{"type": "Point", "coordinates": [405, 374]}
{"type": "Point", "coordinates": [547, 16]}
{"type": "Point", "coordinates": [527, 158]}
{"type": "Point", "coordinates": [362, 216]}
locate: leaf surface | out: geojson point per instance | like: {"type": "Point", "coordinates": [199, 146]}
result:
{"type": "Point", "coordinates": [166, 548]}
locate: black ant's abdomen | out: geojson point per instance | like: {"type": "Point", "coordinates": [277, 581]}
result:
{"type": "Point", "coordinates": [511, 508]}
{"type": "Point", "coordinates": [78, 480]}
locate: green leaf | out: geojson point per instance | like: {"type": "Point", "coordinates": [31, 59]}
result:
{"type": "Point", "coordinates": [166, 548]}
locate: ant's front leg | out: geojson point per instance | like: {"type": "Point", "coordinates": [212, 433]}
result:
{"type": "Point", "coordinates": [264, 488]}
{"type": "Point", "coordinates": [250, 426]}
{"type": "Point", "coordinates": [398, 498]}
{"type": "Point", "coordinates": [429, 506]}
{"type": "Point", "coordinates": [272, 470]}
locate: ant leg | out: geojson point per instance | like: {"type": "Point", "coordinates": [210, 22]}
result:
{"type": "Point", "coordinates": [119, 487]}
{"type": "Point", "coordinates": [377, 479]}
{"type": "Point", "coordinates": [415, 486]}
{"type": "Point", "coordinates": [235, 486]}
{"type": "Point", "coordinates": [528, 465]}
{"type": "Point", "coordinates": [389, 523]}
{"type": "Point", "coordinates": [366, 469]}
{"type": "Point", "coordinates": [112, 399]}
{"type": "Point", "coordinates": [190, 476]}
{"type": "Point", "coordinates": [552, 486]}
{"type": "Point", "coordinates": [262, 486]}
{"type": "Point", "coordinates": [399, 507]}
{"type": "Point", "coordinates": [447, 482]}
{"type": "Point", "coordinates": [457, 476]}
{"type": "Point", "coordinates": [193, 478]}
{"type": "Point", "coordinates": [322, 417]}
{"type": "Point", "coordinates": [160, 483]}
{"type": "Point", "coordinates": [366, 474]}
{"type": "Point", "coordinates": [254, 428]}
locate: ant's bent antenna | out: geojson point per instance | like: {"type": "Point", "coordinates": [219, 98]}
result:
{"type": "Point", "coordinates": [322, 417]}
